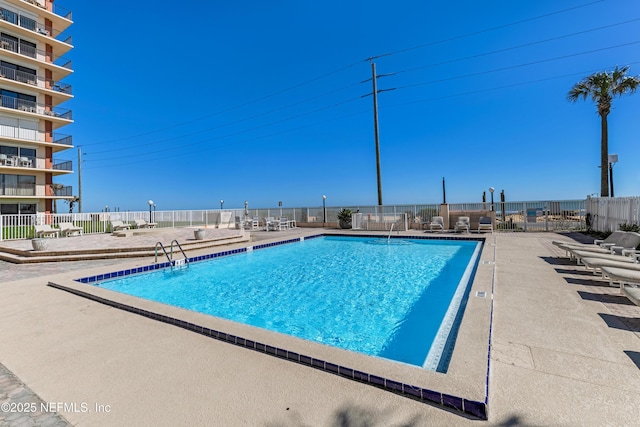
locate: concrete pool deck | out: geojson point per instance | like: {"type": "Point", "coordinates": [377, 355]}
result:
{"type": "Point", "coordinates": [565, 351]}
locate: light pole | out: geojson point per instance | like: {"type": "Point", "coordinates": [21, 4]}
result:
{"type": "Point", "coordinates": [154, 212]}
{"type": "Point", "coordinates": [221, 204]}
{"type": "Point", "coordinates": [324, 210]}
{"type": "Point", "coordinates": [150, 202]}
{"type": "Point", "coordinates": [280, 205]}
{"type": "Point", "coordinates": [613, 158]}
{"type": "Point", "coordinates": [491, 190]}
{"type": "Point", "coordinates": [246, 209]}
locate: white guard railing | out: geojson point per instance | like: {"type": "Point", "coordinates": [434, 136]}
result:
{"type": "Point", "coordinates": [510, 216]}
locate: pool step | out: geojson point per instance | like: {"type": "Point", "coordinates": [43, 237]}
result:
{"type": "Point", "coordinates": [17, 256]}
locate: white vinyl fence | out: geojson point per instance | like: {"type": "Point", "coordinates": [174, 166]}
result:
{"type": "Point", "coordinates": [608, 214]}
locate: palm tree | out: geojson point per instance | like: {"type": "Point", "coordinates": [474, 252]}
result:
{"type": "Point", "coordinates": [602, 87]}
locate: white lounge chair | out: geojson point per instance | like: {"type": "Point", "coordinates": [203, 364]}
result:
{"type": "Point", "coordinates": [628, 241]}
{"type": "Point", "coordinates": [45, 231]}
{"type": "Point", "coordinates": [462, 224]}
{"type": "Point", "coordinates": [485, 224]}
{"type": "Point", "coordinates": [597, 245]}
{"type": "Point", "coordinates": [596, 263]}
{"type": "Point", "coordinates": [141, 223]}
{"type": "Point", "coordinates": [629, 281]}
{"type": "Point", "coordinates": [119, 226]}
{"type": "Point", "coordinates": [67, 229]}
{"type": "Point", "coordinates": [437, 223]}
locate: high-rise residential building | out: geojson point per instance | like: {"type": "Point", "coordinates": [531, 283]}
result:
{"type": "Point", "coordinates": [33, 44]}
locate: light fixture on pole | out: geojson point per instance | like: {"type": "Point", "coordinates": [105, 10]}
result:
{"type": "Point", "coordinates": [150, 202]}
{"type": "Point", "coordinates": [324, 210]}
{"type": "Point", "coordinates": [491, 190]}
{"type": "Point", "coordinates": [221, 204]}
{"type": "Point", "coordinates": [613, 158]}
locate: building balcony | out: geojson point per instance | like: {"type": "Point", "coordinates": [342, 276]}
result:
{"type": "Point", "coordinates": [58, 116]}
{"type": "Point", "coordinates": [61, 17]}
{"type": "Point", "coordinates": [39, 191]}
{"type": "Point", "coordinates": [59, 66]}
{"type": "Point", "coordinates": [25, 25]}
{"type": "Point", "coordinates": [40, 164]}
{"type": "Point", "coordinates": [59, 91]}
{"type": "Point", "coordinates": [26, 137]}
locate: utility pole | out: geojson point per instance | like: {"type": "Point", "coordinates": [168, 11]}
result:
{"type": "Point", "coordinates": [374, 78]}
{"type": "Point", "coordinates": [79, 179]}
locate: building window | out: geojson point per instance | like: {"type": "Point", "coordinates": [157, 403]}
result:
{"type": "Point", "coordinates": [17, 185]}
{"type": "Point", "coordinates": [9, 42]}
{"type": "Point", "coordinates": [9, 208]}
{"type": "Point", "coordinates": [28, 49]}
{"type": "Point", "coordinates": [9, 16]}
{"type": "Point", "coordinates": [27, 208]}
{"type": "Point", "coordinates": [27, 23]}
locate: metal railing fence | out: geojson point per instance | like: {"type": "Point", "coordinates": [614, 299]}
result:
{"type": "Point", "coordinates": [510, 216]}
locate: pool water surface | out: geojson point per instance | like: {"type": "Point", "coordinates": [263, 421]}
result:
{"type": "Point", "coordinates": [389, 298]}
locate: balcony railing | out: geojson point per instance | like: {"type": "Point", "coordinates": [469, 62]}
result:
{"type": "Point", "coordinates": [33, 162]}
{"type": "Point", "coordinates": [63, 166]}
{"type": "Point", "coordinates": [66, 191]}
{"type": "Point", "coordinates": [34, 107]}
{"type": "Point", "coordinates": [61, 139]}
{"type": "Point", "coordinates": [34, 80]}
{"type": "Point", "coordinates": [30, 135]}
{"type": "Point", "coordinates": [31, 52]}
{"type": "Point", "coordinates": [17, 18]}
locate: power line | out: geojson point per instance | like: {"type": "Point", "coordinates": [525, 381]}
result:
{"type": "Point", "coordinates": [487, 30]}
{"type": "Point", "coordinates": [233, 122]}
{"type": "Point", "coordinates": [230, 108]}
{"type": "Point", "coordinates": [364, 111]}
{"type": "Point", "coordinates": [335, 72]}
{"type": "Point", "coordinates": [507, 49]}
{"type": "Point", "coordinates": [581, 73]}
{"type": "Point", "coordinates": [495, 70]}
{"type": "Point", "coordinates": [180, 147]}
{"type": "Point", "coordinates": [271, 135]}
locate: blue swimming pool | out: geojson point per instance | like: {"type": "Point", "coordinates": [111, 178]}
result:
{"type": "Point", "coordinates": [396, 299]}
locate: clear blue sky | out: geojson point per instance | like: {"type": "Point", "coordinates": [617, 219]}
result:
{"type": "Point", "coordinates": [189, 103]}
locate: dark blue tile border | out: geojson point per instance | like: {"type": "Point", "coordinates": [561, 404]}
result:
{"type": "Point", "coordinates": [473, 408]}
{"type": "Point", "coordinates": [469, 407]}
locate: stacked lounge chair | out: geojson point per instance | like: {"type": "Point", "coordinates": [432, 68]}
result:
{"type": "Point", "coordinates": [618, 260]}
{"type": "Point", "coordinates": [597, 244]}
{"type": "Point", "coordinates": [625, 277]}
{"type": "Point", "coordinates": [628, 241]}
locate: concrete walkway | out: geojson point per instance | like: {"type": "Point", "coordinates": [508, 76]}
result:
{"type": "Point", "coordinates": [565, 352]}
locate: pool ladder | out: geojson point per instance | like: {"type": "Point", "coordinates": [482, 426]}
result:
{"type": "Point", "coordinates": [178, 262]}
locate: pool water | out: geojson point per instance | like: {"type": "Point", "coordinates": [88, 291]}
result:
{"type": "Point", "coordinates": [380, 297]}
